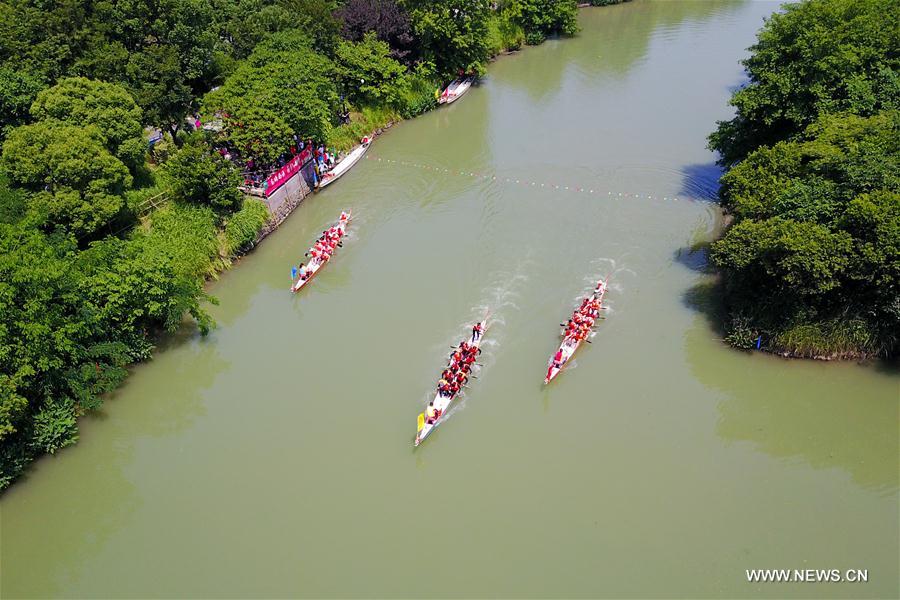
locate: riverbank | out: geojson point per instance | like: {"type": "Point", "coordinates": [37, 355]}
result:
{"type": "Point", "coordinates": [235, 461]}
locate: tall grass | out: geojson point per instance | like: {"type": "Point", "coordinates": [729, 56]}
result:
{"type": "Point", "coordinates": [841, 338]}
{"type": "Point", "coordinates": [503, 34]}
{"type": "Point", "coordinates": [244, 226]}
{"type": "Point", "coordinates": [185, 238]}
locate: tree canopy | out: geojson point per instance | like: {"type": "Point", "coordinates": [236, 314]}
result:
{"type": "Point", "coordinates": [814, 58]}
{"type": "Point", "coordinates": [540, 18]}
{"type": "Point", "coordinates": [812, 261]}
{"type": "Point", "coordinates": [77, 183]}
{"type": "Point", "coordinates": [369, 72]}
{"type": "Point", "coordinates": [199, 175]}
{"type": "Point", "coordinates": [18, 90]}
{"type": "Point", "coordinates": [386, 19]}
{"type": "Point", "coordinates": [282, 89]}
{"type": "Point", "coordinates": [80, 101]}
{"type": "Point", "coordinates": [453, 33]}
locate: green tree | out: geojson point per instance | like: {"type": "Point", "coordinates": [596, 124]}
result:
{"type": "Point", "coordinates": [316, 19]}
{"type": "Point", "coordinates": [874, 222]}
{"type": "Point", "coordinates": [814, 58]}
{"type": "Point", "coordinates": [199, 175]}
{"type": "Point", "coordinates": [540, 18]}
{"type": "Point", "coordinates": [51, 356]}
{"type": "Point", "coordinates": [453, 33]}
{"type": "Point", "coordinates": [165, 52]}
{"type": "Point", "coordinates": [812, 179]}
{"type": "Point", "coordinates": [80, 101]}
{"type": "Point", "coordinates": [18, 90]}
{"type": "Point", "coordinates": [283, 88]}
{"type": "Point", "coordinates": [77, 183]}
{"type": "Point", "coordinates": [815, 243]}
{"type": "Point", "coordinates": [243, 24]}
{"type": "Point", "coordinates": [368, 71]}
{"type": "Point", "coordinates": [156, 79]}
{"type": "Point", "coordinates": [782, 258]}
{"type": "Point", "coordinates": [12, 201]}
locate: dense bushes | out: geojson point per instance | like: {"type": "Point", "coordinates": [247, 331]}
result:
{"type": "Point", "coordinates": [199, 175]}
{"type": "Point", "coordinates": [812, 261]}
{"type": "Point", "coordinates": [540, 18]}
{"type": "Point", "coordinates": [504, 34]}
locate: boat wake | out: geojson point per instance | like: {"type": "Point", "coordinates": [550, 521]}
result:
{"type": "Point", "coordinates": [501, 297]}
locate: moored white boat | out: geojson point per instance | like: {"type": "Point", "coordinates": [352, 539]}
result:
{"type": "Point", "coordinates": [315, 265]}
{"type": "Point", "coordinates": [456, 89]}
{"type": "Point", "coordinates": [441, 402]}
{"type": "Point", "coordinates": [345, 163]}
{"type": "Point", "coordinates": [570, 346]}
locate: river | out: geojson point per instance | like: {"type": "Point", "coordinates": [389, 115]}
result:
{"type": "Point", "coordinates": [274, 458]}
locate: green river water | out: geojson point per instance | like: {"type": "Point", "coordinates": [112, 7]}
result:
{"type": "Point", "coordinates": [274, 458]}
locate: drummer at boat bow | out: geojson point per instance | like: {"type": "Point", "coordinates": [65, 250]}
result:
{"type": "Point", "coordinates": [432, 414]}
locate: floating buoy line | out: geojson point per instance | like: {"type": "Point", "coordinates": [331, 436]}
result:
{"type": "Point", "coordinates": [530, 183]}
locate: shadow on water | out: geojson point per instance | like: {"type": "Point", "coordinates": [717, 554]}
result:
{"type": "Point", "coordinates": [79, 531]}
{"type": "Point", "coordinates": [701, 182]}
{"type": "Point", "coordinates": [793, 409]}
{"type": "Point", "coordinates": [790, 410]}
{"type": "Point", "coordinates": [695, 259]}
{"type": "Point", "coordinates": [705, 298]}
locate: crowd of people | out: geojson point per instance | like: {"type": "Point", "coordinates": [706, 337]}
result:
{"type": "Point", "coordinates": [456, 375]}
{"type": "Point", "coordinates": [256, 173]}
{"type": "Point", "coordinates": [322, 250]}
{"type": "Point", "coordinates": [324, 160]}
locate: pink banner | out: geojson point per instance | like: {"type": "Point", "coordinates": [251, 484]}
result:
{"type": "Point", "coordinates": [281, 176]}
